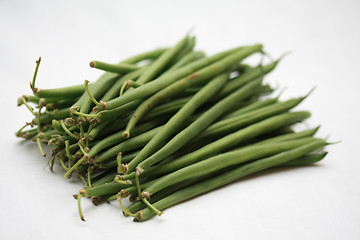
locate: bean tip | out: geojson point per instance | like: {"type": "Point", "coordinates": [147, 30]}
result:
{"type": "Point", "coordinates": [93, 64]}
{"type": "Point", "coordinates": [126, 134]}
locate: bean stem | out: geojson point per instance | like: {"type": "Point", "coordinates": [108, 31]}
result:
{"type": "Point", "coordinates": [119, 68]}
{"type": "Point", "coordinates": [32, 84]}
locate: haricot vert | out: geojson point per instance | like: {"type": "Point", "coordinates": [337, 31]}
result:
{"type": "Point", "coordinates": [169, 124]}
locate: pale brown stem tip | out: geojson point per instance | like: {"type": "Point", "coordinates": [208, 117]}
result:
{"type": "Point", "coordinates": [93, 64]}
{"type": "Point", "coordinates": [125, 168]}
{"type": "Point", "coordinates": [126, 134]}
{"type": "Point", "coordinates": [146, 195]}
{"type": "Point", "coordinates": [83, 193]}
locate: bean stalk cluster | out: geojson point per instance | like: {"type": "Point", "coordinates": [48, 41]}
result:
{"type": "Point", "coordinates": [166, 125]}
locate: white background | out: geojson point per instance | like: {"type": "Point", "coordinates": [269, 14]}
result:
{"type": "Point", "coordinates": [319, 202]}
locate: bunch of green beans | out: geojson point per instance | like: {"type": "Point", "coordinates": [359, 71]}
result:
{"type": "Point", "coordinates": [167, 125]}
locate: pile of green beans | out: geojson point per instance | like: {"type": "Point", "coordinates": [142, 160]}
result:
{"type": "Point", "coordinates": [164, 126]}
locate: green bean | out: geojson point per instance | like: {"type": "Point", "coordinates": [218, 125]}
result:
{"type": "Point", "coordinates": [105, 81]}
{"type": "Point", "coordinates": [98, 89]}
{"type": "Point", "coordinates": [196, 145]}
{"type": "Point", "coordinates": [115, 89]}
{"type": "Point", "coordinates": [166, 79]}
{"type": "Point", "coordinates": [249, 75]}
{"type": "Point", "coordinates": [231, 124]}
{"type": "Point", "coordinates": [28, 98]}
{"type": "Point", "coordinates": [153, 54]}
{"type": "Point", "coordinates": [200, 98]}
{"type": "Point", "coordinates": [119, 68]}
{"type": "Point", "coordinates": [250, 107]}
{"type": "Point", "coordinates": [160, 63]}
{"type": "Point", "coordinates": [119, 111]}
{"type": "Point", "coordinates": [65, 92]}
{"type": "Point", "coordinates": [290, 136]}
{"type": "Point", "coordinates": [164, 110]}
{"type": "Point", "coordinates": [197, 126]}
{"type": "Point", "coordinates": [129, 84]}
{"type": "Point", "coordinates": [216, 163]}
{"type": "Point", "coordinates": [230, 176]}
{"type": "Point", "coordinates": [55, 114]}
{"type": "Point", "coordinates": [108, 178]}
{"type": "Point", "coordinates": [156, 112]}
{"type": "Point", "coordinates": [306, 160]}
{"type": "Point", "coordinates": [59, 105]}
{"type": "Point", "coordinates": [188, 58]}
{"type": "Point", "coordinates": [165, 192]}
{"type": "Point", "coordinates": [117, 138]}
{"type": "Point", "coordinates": [175, 123]}
{"type": "Point", "coordinates": [194, 79]}
{"type": "Point", "coordinates": [128, 145]}
{"type": "Point", "coordinates": [113, 163]}
{"type": "Point", "coordinates": [103, 189]}
{"type": "Point", "coordinates": [189, 46]}
{"type": "Point", "coordinates": [229, 141]}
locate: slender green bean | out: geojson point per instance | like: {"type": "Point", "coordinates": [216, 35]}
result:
{"type": "Point", "coordinates": [103, 189]}
{"type": "Point", "coordinates": [230, 176]}
{"type": "Point", "coordinates": [231, 124]}
{"type": "Point", "coordinates": [117, 138]}
{"type": "Point", "coordinates": [164, 110]}
{"type": "Point", "coordinates": [176, 122]}
{"type": "Point", "coordinates": [183, 52]}
{"type": "Point", "coordinates": [216, 163]}
{"type": "Point", "coordinates": [115, 89]}
{"type": "Point", "coordinates": [128, 145]}
{"type": "Point", "coordinates": [194, 79]}
{"type": "Point", "coordinates": [113, 163]}
{"type": "Point", "coordinates": [252, 106]}
{"type": "Point", "coordinates": [65, 92]}
{"type": "Point", "coordinates": [306, 160]}
{"type": "Point", "coordinates": [166, 79]}
{"type": "Point", "coordinates": [119, 68]}
{"type": "Point", "coordinates": [290, 136]}
{"type": "Point", "coordinates": [153, 54]}
{"type": "Point", "coordinates": [188, 58]}
{"type": "Point", "coordinates": [196, 127]}
{"type": "Point", "coordinates": [106, 80]}
{"type": "Point", "coordinates": [249, 75]}
{"type": "Point", "coordinates": [55, 114]}
{"type": "Point", "coordinates": [108, 178]}
{"type": "Point", "coordinates": [160, 63]}
{"type": "Point", "coordinates": [138, 205]}
{"type": "Point", "coordinates": [229, 141]}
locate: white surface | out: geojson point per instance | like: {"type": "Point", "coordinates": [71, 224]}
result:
{"type": "Point", "coordinates": [304, 203]}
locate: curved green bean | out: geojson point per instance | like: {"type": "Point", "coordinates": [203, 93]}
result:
{"type": "Point", "coordinates": [120, 68]}
{"type": "Point", "coordinates": [229, 141]}
{"type": "Point", "coordinates": [160, 63]}
{"type": "Point", "coordinates": [194, 79]}
{"type": "Point", "coordinates": [166, 79]}
{"type": "Point", "coordinates": [197, 126]}
{"type": "Point", "coordinates": [175, 123]}
{"type": "Point", "coordinates": [230, 176]}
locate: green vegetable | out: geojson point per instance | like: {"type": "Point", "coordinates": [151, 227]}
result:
{"type": "Point", "coordinates": [196, 123]}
